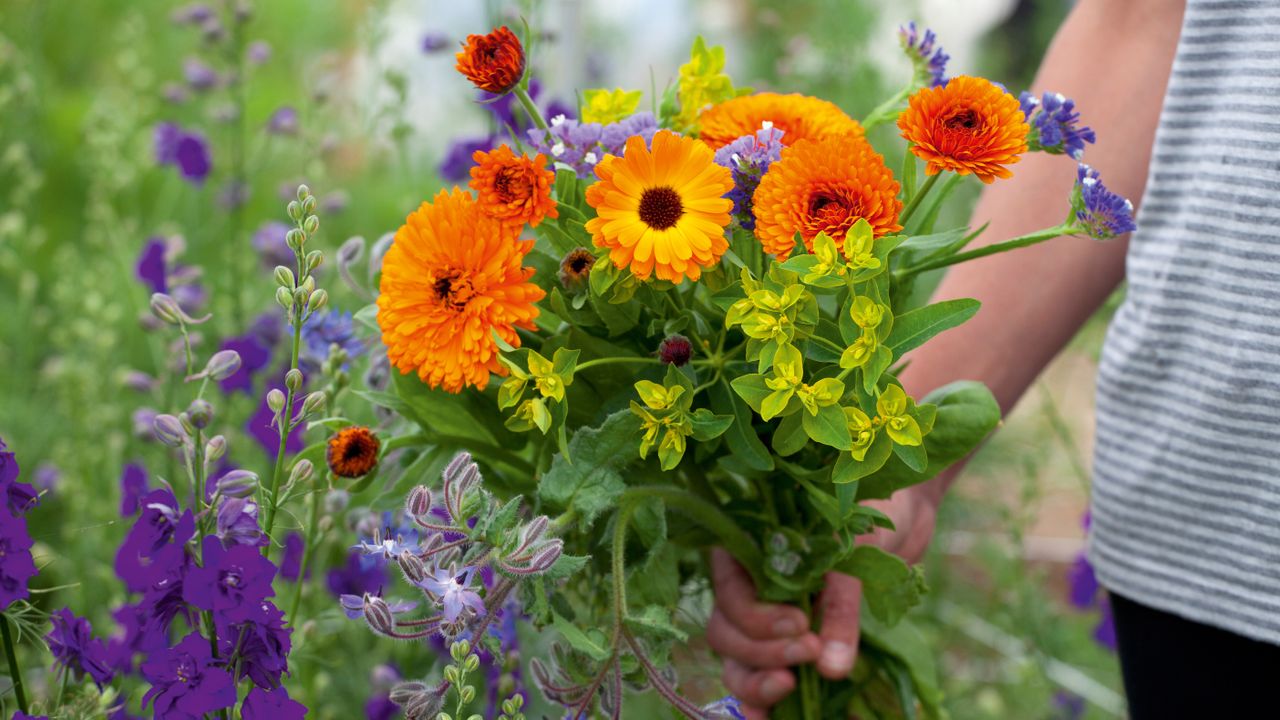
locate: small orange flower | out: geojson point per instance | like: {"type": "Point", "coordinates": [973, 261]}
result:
{"type": "Point", "coordinates": [824, 185]}
{"type": "Point", "coordinates": [800, 117]}
{"type": "Point", "coordinates": [515, 190]}
{"type": "Point", "coordinates": [352, 452]}
{"type": "Point", "coordinates": [493, 62]}
{"type": "Point", "coordinates": [969, 125]}
{"type": "Point", "coordinates": [662, 211]}
{"type": "Point", "coordinates": [453, 277]}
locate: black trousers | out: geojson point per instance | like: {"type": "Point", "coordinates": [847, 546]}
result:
{"type": "Point", "coordinates": [1175, 668]}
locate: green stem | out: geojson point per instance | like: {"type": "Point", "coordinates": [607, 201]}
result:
{"type": "Point", "coordinates": [915, 199]}
{"type": "Point", "coordinates": [611, 360]}
{"type": "Point", "coordinates": [14, 671]}
{"type": "Point", "coordinates": [810, 693]}
{"type": "Point", "coordinates": [1014, 244]}
{"type": "Point", "coordinates": [487, 451]}
{"type": "Point", "coordinates": [887, 110]}
{"type": "Point", "coordinates": [286, 420]}
{"type": "Point", "coordinates": [530, 107]}
{"type": "Point", "coordinates": [307, 547]}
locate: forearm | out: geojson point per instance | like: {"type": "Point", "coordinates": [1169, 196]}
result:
{"type": "Point", "coordinates": [1113, 59]}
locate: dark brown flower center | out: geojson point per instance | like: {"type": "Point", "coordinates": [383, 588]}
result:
{"type": "Point", "coordinates": [453, 290]}
{"type": "Point", "coordinates": [660, 208]}
{"type": "Point", "coordinates": [965, 120]}
{"type": "Point", "coordinates": [512, 185]}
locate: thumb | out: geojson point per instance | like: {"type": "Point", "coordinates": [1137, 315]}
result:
{"type": "Point", "coordinates": [840, 602]}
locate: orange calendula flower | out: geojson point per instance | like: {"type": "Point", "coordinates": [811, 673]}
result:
{"type": "Point", "coordinates": [352, 452]}
{"type": "Point", "coordinates": [824, 186]}
{"type": "Point", "coordinates": [453, 277]}
{"type": "Point", "coordinates": [969, 125]}
{"type": "Point", "coordinates": [514, 189]}
{"type": "Point", "coordinates": [493, 62]}
{"type": "Point", "coordinates": [800, 117]}
{"type": "Point", "coordinates": [661, 212]}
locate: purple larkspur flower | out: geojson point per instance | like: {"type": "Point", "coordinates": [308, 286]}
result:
{"type": "Point", "coordinates": [291, 558]}
{"type": "Point", "coordinates": [434, 42]}
{"type": "Point", "coordinates": [162, 598]}
{"type": "Point", "coordinates": [748, 158]}
{"type": "Point", "coordinates": [254, 356]}
{"type": "Point", "coordinates": [133, 486]}
{"type": "Point", "coordinates": [353, 606]}
{"type": "Point", "coordinates": [238, 523]}
{"type": "Point", "coordinates": [323, 329]}
{"type": "Point", "coordinates": [198, 74]}
{"type": "Point", "coordinates": [1083, 583]}
{"type": "Point", "coordinates": [19, 715]}
{"type": "Point", "coordinates": [17, 567]}
{"type": "Point", "coordinates": [269, 241]}
{"type": "Point", "coordinates": [1100, 212]}
{"type": "Point", "coordinates": [165, 139]}
{"type": "Point", "coordinates": [284, 121]}
{"type": "Point", "coordinates": [453, 591]}
{"type": "Point", "coordinates": [457, 162]}
{"type": "Point", "coordinates": [186, 682]}
{"type": "Point", "coordinates": [233, 581]}
{"type": "Point", "coordinates": [1105, 632]}
{"type": "Point", "coordinates": [160, 524]}
{"type": "Point", "coordinates": [928, 59]}
{"type": "Point", "coordinates": [1055, 127]}
{"type": "Point", "coordinates": [18, 497]}
{"type": "Point", "coordinates": [354, 577]}
{"type": "Point", "coordinates": [261, 642]}
{"type": "Point", "coordinates": [258, 52]}
{"type": "Point", "coordinates": [261, 428]}
{"type": "Point", "coordinates": [152, 268]}
{"type": "Point", "coordinates": [74, 648]}
{"type": "Point", "coordinates": [583, 145]}
{"type": "Point", "coordinates": [726, 708]}
{"type": "Point", "coordinates": [271, 705]}
{"type": "Point", "coordinates": [187, 150]}
{"type": "Point", "coordinates": [140, 633]}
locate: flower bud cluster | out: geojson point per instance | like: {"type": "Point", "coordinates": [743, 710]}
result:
{"type": "Point", "coordinates": [296, 289]}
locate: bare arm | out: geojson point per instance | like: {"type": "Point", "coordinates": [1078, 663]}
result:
{"type": "Point", "coordinates": [1113, 58]}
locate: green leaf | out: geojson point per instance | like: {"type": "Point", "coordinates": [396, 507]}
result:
{"type": "Point", "coordinates": [741, 436]}
{"type": "Point", "coordinates": [880, 361]}
{"type": "Point", "coordinates": [889, 586]}
{"type": "Point", "coordinates": [966, 414]}
{"type": "Point", "coordinates": [828, 427]}
{"type": "Point", "coordinates": [914, 456]}
{"type": "Point", "coordinates": [753, 389]}
{"type": "Point", "coordinates": [847, 469]}
{"type": "Point", "coordinates": [914, 328]}
{"type": "Point", "coordinates": [368, 317]}
{"type": "Point", "coordinates": [916, 653]}
{"type": "Point", "coordinates": [790, 438]}
{"type": "Point", "coordinates": [929, 244]}
{"type": "Point", "coordinates": [592, 643]}
{"type": "Point", "coordinates": [655, 622]}
{"type": "Point", "coordinates": [707, 425]}
{"type": "Point", "coordinates": [592, 483]}
{"type": "Point", "coordinates": [564, 566]}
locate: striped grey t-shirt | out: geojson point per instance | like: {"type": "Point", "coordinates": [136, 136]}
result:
{"type": "Point", "coordinates": [1186, 495]}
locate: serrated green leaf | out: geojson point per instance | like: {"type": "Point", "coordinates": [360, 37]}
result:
{"type": "Point", "coordinates": [591, 483]}
{"type": "Point", "coordinates": [655, 622]}
{"type": "Point", "coordinates": [591, 643]}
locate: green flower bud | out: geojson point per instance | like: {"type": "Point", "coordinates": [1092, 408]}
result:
{"type": "Point", "coordinates": [303, 192]}
{"type": "Point", "coordinates": [215, 449]}
{"type": "Point", "coordinates": [200, 413]}
{"type": "Point", "coordinates": [314, 404]}
{"type": "Point", "coordinates": [295, 210]}
{"type": "Point", "coordinates": [170, 431]}
{"type": "Point", "coordinates": [315, 259]}
{"type": "Point", "coordinates": [309, 206]}
{"type": "Point", "coordinates": [295, 239]}
{"type": "Point", "coordinates": [284, 277]}
{"type": "Point", "coordinates": [312, 223]}
{"type": "Point", "coordinates": [302, 472]}
{"type": "Point", "coordinates": [318, 300]}
{"type": "Point", "coordinates": [284, 298]}
{"type": "Point", "coordinates": [275, 400]}
{"type": "Point", "coordinates": [293, 379]}
{"type": "Point", "coordinates": [300, 295]}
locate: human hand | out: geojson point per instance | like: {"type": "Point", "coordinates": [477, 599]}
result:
{"type": "Point", "coordinates": [760, 641]}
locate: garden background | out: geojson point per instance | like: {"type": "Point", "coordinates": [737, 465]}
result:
{"type": "Point", "coordinates": [358, 98]}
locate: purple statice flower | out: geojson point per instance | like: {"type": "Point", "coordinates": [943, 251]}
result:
{"type": "Point", "coordinates": [356, 578]}
{"type": "Point", "coordinates": [291, 558]}
{"type": "Point", "coordinates": [189, 151]}
{"type": "Point", "coordinates": [322, 330]}
{"type": "Point", "coordinates": [1055, 125]}
{"type": "Point", "coordinates": [238, 523]}
{"type": "Point", "coordinates": [1083, 583]}
{"type": "Point", "coordinates": [434, 42]}
{"type": "Point", "coordinates": [271, 705]}
{"type": "Point", "coordinates": [261, 642]}
{"type": "Point", "coordinates": [1105, 632]}
{"type": "Point", "coordinates": [749, 158]}
{"type": "Point", "coordinates": [1100, 213]}
{"type": "Point", "coordinates": [269, 241]}
{"type": "Point", "coordinates": [284, 121]}
{"type": "Point", "coordinates": [583, 145]}
{"type": "Point", "coordinates": [198, 74]}
{"type": "Point", "coordinates": [233, 582]}
{"type": "Point", "coordinates": [726, 708]}
{"type": "Point", "coordinates": [929, 60]}
{"type": "Point", "coordinates": [186, 681]}
{"type": "Point", "coordinates": [18, 497]}
{"type": "Point", "coordinates": [258, 52]}
{"type": "Point", "coordinates": [160, 525]}
{"type": "Point", "coordinates": [453, 591]}
{"type": "Point", "coordinates": [133, 486]}
{"type": "Point", "coordinates": [353, 606]}
{"type": "Point", "coordinates": [17, 567]}
{"type": "Point", "coordinates": [151, 268]}
{"type": "Point", "coordinates": [254, 356]}
{"type": "Point", "coordinates": [457, 162]}
{"type": "Point", "coordinates": [74, 648]}
{"type": "Point", "coordinates": [1067, 706]}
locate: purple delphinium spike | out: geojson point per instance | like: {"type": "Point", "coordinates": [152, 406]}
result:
{"type": "Point", "coordinates": [1100, 212]}
{"type": "Point", "coordinates": [271, 705]}
{"type": "Point", "coordinates": [152, 268]}
{"type": "Point", "coordinates": [927, 57]}
{"type": "Point", "coordinates": [186, 680]}
{"type": "Point", "coordinates": [160, 527]}
{"type": "Point", "coordinates": [453, 591]}
{"type": "Point", "coordinates": [71, 641]}
{"type": "Point", "coordinates": [254, 356]}
{"type": "Point", "coordinates": [233, 581]}
{"type": "Point", "coordinates": [237, 523]}
{"type": "Point", "coordinates": [17, 567]}
{"type": "Point", "coordinates": [261, 640]}
{"type": "Point", "coordinates": [1055, 127]}
{"type": "Point", "coordinates": [749, 158]}
{"type": "Point", "coordinates": [133, 485]}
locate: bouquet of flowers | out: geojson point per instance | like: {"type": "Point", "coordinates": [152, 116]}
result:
{"type": "Point", "coordinates": [654, 332]}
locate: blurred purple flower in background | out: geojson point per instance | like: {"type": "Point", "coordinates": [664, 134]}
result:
{"type": "Point", "coordinates": [188, 151]}
{"type": "Point", "coordinates": [198, 74]}
{"type": "Point", "coordinates": [269, 241]}
{"type": "Point", "coordinates": [323, 329]}
{"type": "Point", "coordinates": [258, 52]}
{"type": "Point", "coordinates": [152, 267]}
{"type": "Point", "coordinates": [434, 42]}
{"type": "Point", "coordinates": [356, 578]}
{"type": "Point", "coordinates": [254, 356]}
{"type": "Point", "coordinates": [284, 121]}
